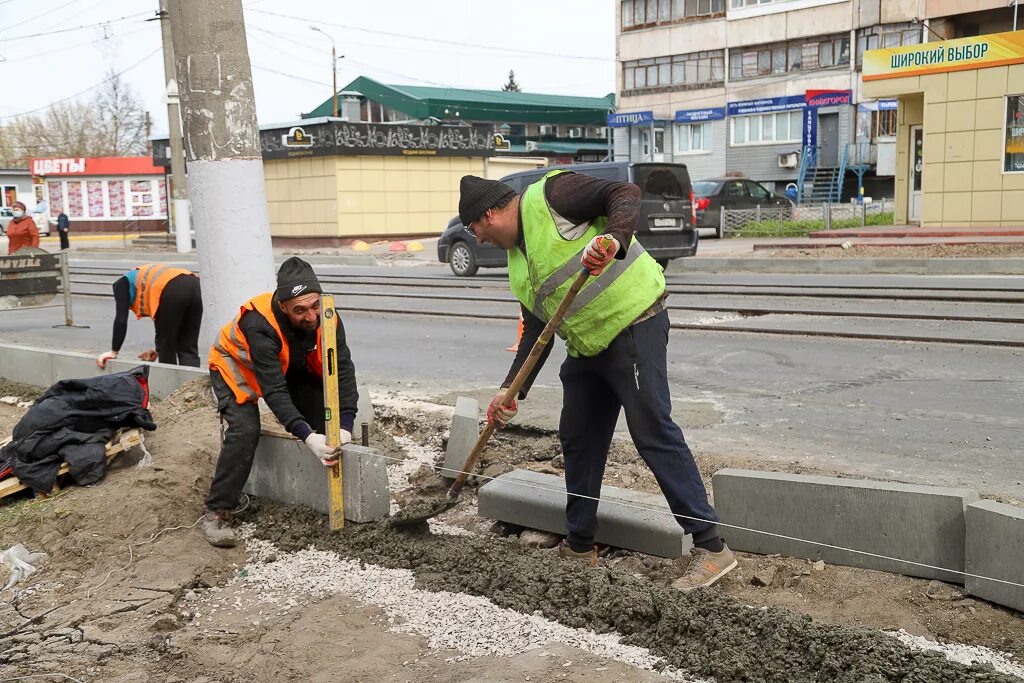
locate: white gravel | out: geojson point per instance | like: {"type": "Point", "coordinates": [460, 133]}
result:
{"type": "Point", "coordinates": [964, 654]}
{"type": "Point", "coordinates": [472, 626]}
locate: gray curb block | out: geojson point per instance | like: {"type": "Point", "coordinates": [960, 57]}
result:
{"type": "Point", "coordinates": [995, 548]}
{"type": "Point", "coordinates": [907, 266]}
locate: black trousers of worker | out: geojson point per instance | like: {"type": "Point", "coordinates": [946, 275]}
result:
{"type": "Point", "coordinates": [64, 244]}
{"type": "Point", "coordinates": [630, 374]}
{"type": "Point", "coordinates": [177, 321]}
{"type": "Point", "coordinates": [242, 435]}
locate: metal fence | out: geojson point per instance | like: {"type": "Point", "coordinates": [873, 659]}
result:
{"type": "Point", "coordinates": [799, 220]}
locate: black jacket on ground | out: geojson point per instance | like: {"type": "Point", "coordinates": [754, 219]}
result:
{"type": "Point", "coordinates": [72, 422]}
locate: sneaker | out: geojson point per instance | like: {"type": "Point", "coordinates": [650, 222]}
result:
{"type": "Point", "coordinates": [705, 568]}
{"type": "Point", "coordinates": [217, 529]}
{"type": "Point", "coordinates": [589, 557]}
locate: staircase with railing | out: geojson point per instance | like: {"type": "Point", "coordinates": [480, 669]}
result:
{"type": "Point", "coordinates": [819, 184]}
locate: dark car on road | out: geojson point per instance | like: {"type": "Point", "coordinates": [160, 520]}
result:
{"type": "Point", "coordinates": [732, 193]}
{"type": "Point", "coordinates": [665, 229]}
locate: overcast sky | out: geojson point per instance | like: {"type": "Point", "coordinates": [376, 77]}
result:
{"type": "Point", "coordinates": [555, 46]}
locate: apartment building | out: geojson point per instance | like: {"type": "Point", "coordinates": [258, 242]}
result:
{"type": "Point", "coordinates": [770, 89]}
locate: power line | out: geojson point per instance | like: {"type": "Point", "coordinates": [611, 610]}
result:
{"type": "Point", "coordinates": [41, 14]}
{"type": "Point", "coordinates": [76, 45]}
{"type": "Point", "coordinates": [82, 92]}
{"type": "Point", "coordinates": [76, 28]}
{"type": "Point", "coordinates": [407, 36]}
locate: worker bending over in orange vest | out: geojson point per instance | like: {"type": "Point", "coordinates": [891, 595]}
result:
{"type": "Point", "coordinates": [172, 298]}
{"type": "Point", "coordinates": [272, 349]}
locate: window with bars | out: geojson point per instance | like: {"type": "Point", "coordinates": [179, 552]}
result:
{"type": "Point", "coordinates": [681, 72]}
{"type": "Point", "coordinates": [883, 123]}
{"type": "Point", "coordinates": [642, 13]}
{"type": "Point", "coordinates": [824, 52]}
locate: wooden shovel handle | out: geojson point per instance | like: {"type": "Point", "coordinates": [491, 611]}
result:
{"type": "Point", "coordinates": [513, 390]}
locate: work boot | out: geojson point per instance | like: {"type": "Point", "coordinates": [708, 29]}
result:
{"type": "Point", "coordinates": [705, 568]}
{"type": "Point", "coordinates": [588, 558]}
{"type": "Point", "coordinates": [217, 529]}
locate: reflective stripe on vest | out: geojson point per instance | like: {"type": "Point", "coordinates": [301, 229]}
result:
{"type": "Point", "coordinates": [606, 305]}
{"type": "Point", "coordinates": [231, 357]}
{"type": "Point", "coordinates": [149, 285]}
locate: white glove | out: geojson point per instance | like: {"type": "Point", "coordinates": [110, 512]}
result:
{"type": "Point", "coordinates": [346, 437]}
{"type": "Point", "coordinates": [318, 444]}
{"type": "Point", "coordinates": [104, 358]}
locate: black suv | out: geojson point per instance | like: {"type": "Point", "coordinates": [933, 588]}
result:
{"type": "Point", "coordinates": [666, 227]}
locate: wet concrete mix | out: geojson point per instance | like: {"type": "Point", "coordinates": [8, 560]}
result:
{"type": "Point", "coordinates": [702, 633]}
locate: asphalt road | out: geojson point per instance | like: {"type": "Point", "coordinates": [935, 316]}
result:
{"type": "Point", "coordinates": [932, 413]}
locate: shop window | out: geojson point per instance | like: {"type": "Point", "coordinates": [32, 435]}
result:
{"type": "Point", "coordinates": [10, 195]}
{"type": "Point", "coordinates": [142, 197]}
{"type": "Point", "coordinates": [1013, 147]}
{"type": "Point", "coordinates": [780, 127]}
{"type": "Point", "coordinates": [693, 138]}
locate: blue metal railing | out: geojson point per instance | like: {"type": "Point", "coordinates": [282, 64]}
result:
{"type": "Point", "coordinates": [808, 160]}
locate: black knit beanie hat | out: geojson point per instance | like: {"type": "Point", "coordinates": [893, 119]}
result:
{"type": "Point", "coordinates": [295, 278]}
{"type": "Point", "coordinates": [478, 195]}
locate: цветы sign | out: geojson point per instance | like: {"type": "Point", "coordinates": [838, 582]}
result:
{"type": "Point", "coordinates": [961, 54]}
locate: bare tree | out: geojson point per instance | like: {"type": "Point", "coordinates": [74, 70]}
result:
{"type": "Point", "coordinates": [121, 126]}
{"type": "Point", "coordinates": [113, 123]}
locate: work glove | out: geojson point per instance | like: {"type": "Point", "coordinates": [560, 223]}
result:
{"type": "Point", "coordinates": [346, 437]}
{"type": "Point", "coordinates": [105, 358]}
{"type": "Point", "coordinates": [318, 444]}
{"type": "Point", "coordinates": [150, 355]}
{"type": "Point", "coordinates": [498, 414]}
{"type": "Point", "coordinates": [596, 257]}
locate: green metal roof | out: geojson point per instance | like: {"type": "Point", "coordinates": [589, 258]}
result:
{"type": "Point", "coordinates": [480, 105]}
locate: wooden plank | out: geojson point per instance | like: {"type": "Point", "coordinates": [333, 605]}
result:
{"type": "Point", "coordinates": [123, 441]}
{"type": "Point", "coordinates": [332, 414]}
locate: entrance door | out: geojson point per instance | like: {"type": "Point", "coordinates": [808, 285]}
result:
{"type": "Point", "coordinates": [656, 154]}
{"type": "Point", "coordinates": [828, 137]}
{"type": "Point", "coordinates": [916, 168]}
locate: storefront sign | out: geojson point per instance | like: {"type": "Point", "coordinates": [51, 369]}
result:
{"type": "Point", "coordinates": [766, 105]}
{"type": "Point", "coordinates": [630, 118]}
{"type": "Point", "coordinates": [809, 135]}
{"type": "Point", "coordinates": [334, 138]}
{"type": "Point", "coordinates": [975, 52]}
{"type": "Point", "coordinates": [827, 98]}
{"type": "Point", "coordinates": [700, 115]}
{"type": "Point", "coordinates": [58, 166]}
{"type": "Point", "coordinates": [887, 105]}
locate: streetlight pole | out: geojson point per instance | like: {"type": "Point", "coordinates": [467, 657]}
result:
{"type": "Point", "coordinates": [334, 71]}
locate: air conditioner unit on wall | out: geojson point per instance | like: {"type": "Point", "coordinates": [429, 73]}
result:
{"type": "Point", "coordinates": [789, 160]}
{"type": "Point", "coordinates": [547, 130]}
{"type": "Point", "coordinates": [531, 145]}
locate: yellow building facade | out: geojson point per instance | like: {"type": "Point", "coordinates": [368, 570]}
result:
{"type": "Point", "coordinates": [960, 136]}
{"type": "Point", "coordinates": [335, 199]}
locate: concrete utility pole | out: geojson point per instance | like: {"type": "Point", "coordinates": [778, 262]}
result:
{"type": "Point", "coordinates": [225, 167]}
{"type": "Point", "coordinates": [181, 221]}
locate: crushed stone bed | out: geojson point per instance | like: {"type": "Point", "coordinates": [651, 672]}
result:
{"type": "Point", "coordinates": [702, 634]}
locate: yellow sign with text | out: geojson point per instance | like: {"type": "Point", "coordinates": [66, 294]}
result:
{"type": "Point", "coordinates": [977, 52]}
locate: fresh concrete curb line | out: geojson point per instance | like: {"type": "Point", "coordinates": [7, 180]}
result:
{"type": "Point", "coordinates": [921, 524]}
{"type": "Point", "coordinates": [537, 501]}
{"type": "Point", "coordinates": [44, 367]}
{"type": "Point", "coordinates": [908, 266]}
{"type": "Point", "coordinates": [286, 471]}
{"type": "Point", "coordinates": [995, 548]}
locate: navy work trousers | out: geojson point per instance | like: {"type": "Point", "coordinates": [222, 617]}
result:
{"type": "Point", "coordinates": [630, 374]}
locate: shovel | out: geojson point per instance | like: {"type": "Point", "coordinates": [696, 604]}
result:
{"type": "Point", "coordinates": [414, 514]}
